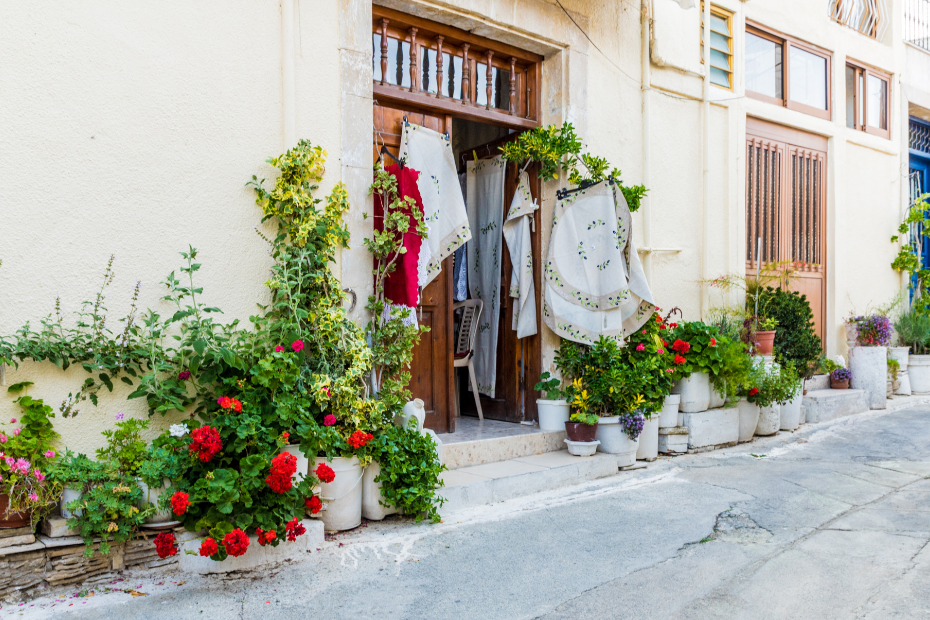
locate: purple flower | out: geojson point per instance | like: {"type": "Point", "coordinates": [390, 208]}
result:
{"type": "Point", "coordinates": [841, 374]}
{"type": "Point", "coordinates": [633, 424]}
{"type": "Point", "coordinates": [119, 417]}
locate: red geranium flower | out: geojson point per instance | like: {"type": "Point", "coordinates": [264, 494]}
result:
{"type": "Point", "coordinates": [294, 529]}
{"type": "Point", "coordinates": [180, 502]}
{"type": "Point", "coordinates": [713, 342]}
{"type": "Point", "coordinates": [359, 439]}
{"type": "Point", "coordinates": [165, 545]}
{"type": "Point", "coordinates": [286, 436]}
{"type": "Point", "coordinates": [184, 375]}
{"type": "Point", "coordinates": [283, 468]}
{"type": "Point", "coordinates": [325, 473]}
{"type": "Point", "coordinates": [753, 391]}
{"type": "Point", "coordinates": [265, 537]}
{"type": "Point", "coordinates": [673, 325]}
{"type": "Point", "coordinates": [298, 346]}
{"type": "Point", "coordinates": [206, 443]}
{"type": "Point", "coordinates": [208, 547]}
{"type": "Point", "coordinates": [680, 360]}
{"type": "Point", "coordinates": [314, 504]}
{"type": "Point", "coordinates": [236, 542]}
{"type": "Point", "coordinates": [223, 402]}
{"type": "Point", "coordinates": [681, 346]}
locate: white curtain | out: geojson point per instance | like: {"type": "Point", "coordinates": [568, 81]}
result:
{"type": "Point", "coordinates": [485, 192]}
{"type": "Point", "coordinates": [520, 244]}
{"type": "Point", "coordinates": [594, 281]}
{"type": "Point", "coordinates": [430, 153]}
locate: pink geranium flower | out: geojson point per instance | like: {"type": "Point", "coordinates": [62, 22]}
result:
{"type": "Point", "coordinates": [33, 497]}
{"type": "Point", "coordinates": [278, 349]}
{"type": "Point", "coordinates": [640, 347]}
{"type": "Point", "coordinates": [10, 461]}
{"type": "Point", "coordinates": [50, 454]}
{"type": "Point", "coordinates": [38, 474]}
{"type": "Point", "coordinates": [329, 420]}
{"type": "Point", "coordinates": [298, 346]}
{"type": "Point", "coordinates": [3, 438]}
{"type": "Point", "coordinates": [17, 431]}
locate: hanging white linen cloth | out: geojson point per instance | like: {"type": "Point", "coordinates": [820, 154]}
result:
{"type": "Point", "coordinates": [594, 281]}
{"type": "Point", "coordinates": [520, 244]}
{"type": "Point", "coordinates": [485, 192]}
{"type": "Point", "coordinates": [430, 153]}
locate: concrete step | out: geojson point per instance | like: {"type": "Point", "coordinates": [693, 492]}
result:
{"type": "Point", "coordinates": [817, 382]}
{"type": "Point", "coordinates": [823, 405]}
{"type": "Point", "coordinates": [491, 441]}
{"type": "Point", "coordinates": [478, 485]}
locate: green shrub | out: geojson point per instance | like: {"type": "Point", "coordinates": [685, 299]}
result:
{"type": "Point", "coordinates": [795, 340]}
{"type": "Point", "coordinates": [913, 328]}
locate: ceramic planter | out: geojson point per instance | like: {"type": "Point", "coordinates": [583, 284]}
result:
{"type": "Point", "coordinates": [553, 414]}
{"type": "Point", "coordinates": [900, 354]}
{"type": "Point", "coordinates": [14, 519]}
{"type": "Point", "coordinates": [342, 498]}
{"type": "Point", "coordinates": [869, 368]}
{"type": "Point", "coordinates": [695, 393]}
{"type": "Point", "coordinates": [918, 371]}
{"type": "Point", "coordinates": [717, 399]}
{"type": "Point", "coordinates": [748, 419]}
{"type": "Point", "coordinates": [577, 431]}
{"type": "Point", "coordinates": [765, 342]}
{"type": "Point", "coordinates": [769, 420]}
{"type": "Point", "coordinates": [582, 448]}
{"type": "Point", "coordinates": [839, 385]}
{"type": "Point", "coordinates": [668, 417]}
{"type": "Point", "coordinates": [852, 334]}
{"type": "Point", "coordinates": [614, 440]}
{"type": "Point", "coordinates": [373, 507]}
{"type": "Point", "coordinates": [69, 494]}
{"type": "Point", "coordinates": [413, 410]}
{"type": "Point", "coordinates": [791, 412]}
{"type": "Point", "coordinates": [648, 448]}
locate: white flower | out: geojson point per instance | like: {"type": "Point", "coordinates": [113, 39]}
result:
{"type": "Point", "coordinates": [177, 430]}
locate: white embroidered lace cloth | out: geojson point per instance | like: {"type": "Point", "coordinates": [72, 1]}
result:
{"type": "Point", "coordinates": [485, 192]}
{"type": "Point", "coordinates": [430, 153]}
{"type": "Point", "coordinates": [520, 244]}
{"type": "Point", "coordinates": [594, 281]}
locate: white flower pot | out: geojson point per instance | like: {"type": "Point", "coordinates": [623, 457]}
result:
{"type": "Point", "coordinates": [668, 417]}
{"type": "Point", "coordinates": [769, 420]}
{"type": "Point", "coordinates": [303, 463]}
{"type": "Point", "coordinates": [648, 448]}
{"type": "Point", "coordinates": [905, 388]}
{"type": "Point", "coordinates": [791, 412]}
{"type": "Point", "coordinates": [151, 496]}
{"type": "Point", "coordinates": [69, 494]}
{"type": "Point", "coordinates": [918, 371]}
{"type": "Point", "coordinates": [695, 393]}
{"type": "Point", "coordinates": [553, 414]}
{"type": "Point", "coordinates": [717, 399]}
{"type": "Point", "coordinates": [900, 354]}
{"type": "Point", "coordinates": [582, 448]}
{"type": "Point", "coordinates": [372, 506]}
{"type": "Point", "coordinates": [414, 409]}
{"type": "Point", "coordinates": [615, 441]}
{"type": "Point", "coordinates": [869, 368]}
{"type": "Point", "coordinates": [342, 498]}
{"type": "Point", "coordinates": [748, 419]}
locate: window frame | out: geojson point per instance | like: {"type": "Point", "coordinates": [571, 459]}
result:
{"type": "Point", "coordinates": [787, 42]}
{"type": "Point", "coordinates": [727, 16]}
{"type": "Point", "coordinates": [866, 71]}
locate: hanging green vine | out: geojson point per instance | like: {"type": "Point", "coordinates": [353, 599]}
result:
{"type": "Point", "coordinates": [908, 259]}
{"type": "Point", "coordinates": [559, 148]}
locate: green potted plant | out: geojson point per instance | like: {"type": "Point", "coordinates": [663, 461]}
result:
{"type": "Point", "coordinates": [167, 460]}
{"type": "Point", "coordinates": [78, 474]}
{"type": "Point", "coordinates": [696, 356]}
{"type": "Point", "coordinates": [553, 410]}
{"type": "Point", "coordinates": [774, 384]}
{"type": "Point", "coordinates": [913, 331]}
{"type": "Point", "coordinates": [766, 329]}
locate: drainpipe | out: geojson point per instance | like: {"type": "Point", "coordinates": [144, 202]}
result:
{"type": "Point", "coordinates": [288, 97]}
{"type": "Point", "coordinates": [647, 91]}
{"type": "Point", "coordinates": [705, 250]}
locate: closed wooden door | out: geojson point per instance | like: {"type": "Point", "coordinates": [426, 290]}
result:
{"type": "Point", "coordinates": [786, 208]}
{"type": "Point", "coordinates": [431, 369]}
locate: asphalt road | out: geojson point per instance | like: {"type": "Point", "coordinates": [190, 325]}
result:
{"type": "Point", "coordinates": [832, 522]}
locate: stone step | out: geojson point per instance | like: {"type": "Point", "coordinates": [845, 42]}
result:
{"type": "Point", "coordinates": [475, 443]}
{"type": "Point", "coordinates": [817, 382]}
{"type": "Point", "coordinates": [823, 405]}
{"type": "Point", "coordinates": [478, 485]}
{"type": "Point", "coordinates": [713, 428]}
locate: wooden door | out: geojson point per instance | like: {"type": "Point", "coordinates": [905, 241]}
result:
{"type": "Point", "coordinates": [786, 208]}
{"type": "Point", "coordinates": [431, 370]}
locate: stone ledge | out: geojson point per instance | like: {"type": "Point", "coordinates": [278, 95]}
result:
{"type": "Point", "coordinates": [711, 428]}
{"type": "Point", "coordinates": [823, 405]}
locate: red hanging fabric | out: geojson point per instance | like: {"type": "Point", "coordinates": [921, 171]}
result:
{"type": "Point", "coordinates": [400, 287]}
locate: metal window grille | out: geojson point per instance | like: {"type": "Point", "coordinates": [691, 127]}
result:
{"type": "Point", "coordinates": [918, 136]}
{"type": "Point", "coordinates": [870, 17]}
{"type": "Point", "coordinates": [917, 23]}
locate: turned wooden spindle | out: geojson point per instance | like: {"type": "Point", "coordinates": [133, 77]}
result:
{"type": "Point", "coordinates": [384, 52]}
{"type": "Point", "coordinates": [513, 86]}
{"type": "Point", "coordinates": [466, 73]}
{"type": "Point", "coordinates": [488, 77]}
{"type": "Point", "coordinates": [413, 59]}
{"type": "Point", "coordinates": [439, 41]}
{"type": "Point", "coordinates": [526, 80]}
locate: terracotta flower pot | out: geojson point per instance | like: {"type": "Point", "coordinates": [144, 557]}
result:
{"type": "Point", "coordinates": [839, 385]}
{"type": "Point", "coordinates": [580, 432]}
{"type": "Point", "coordinates": [765, 342]}
{"type": "Point", "coordinates": [14, 519]}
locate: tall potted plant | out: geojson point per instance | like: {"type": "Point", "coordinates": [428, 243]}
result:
{"type": "Point", "coordinates": [774, 385]}
{"type": "Point", "coordinates": [868, 359]}
{"type": "Point", "coordinates": [913, 329]}
{"type": "Point", "coordinates": [696, 356]}
{"type": "Point", "coordinates": [553, 410]}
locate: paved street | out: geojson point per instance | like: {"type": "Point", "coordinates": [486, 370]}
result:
{"type": "Point", "coordinates": [830, 522]}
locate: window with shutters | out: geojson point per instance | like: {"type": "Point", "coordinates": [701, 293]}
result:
{"type": "Point", "coordinates": [721, 47]}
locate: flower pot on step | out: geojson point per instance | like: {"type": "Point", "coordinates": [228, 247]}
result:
{"type": "Point", "coordinates": [342, 498]}
{"type": "Point", "coordinates": [614, 440]}
{"type": "Point", "coordinates": [553, 414]}
{"type": "Point", "coordinates": [582, 448]}
{"type": "Point", "coordinates": [791, 412]}
{"type": "Point", "coordinates": [765, 342]}
{"type": "Point", "coordinates": [918, 371]}
{"type": "Point", "coordinates": [13, 519]}
{"type": "Point", "coordinates": [839, 385]}
{"type": "Point", "coordinates": [695, 393]}
{"type": "Point", "coordinates": [748, 419]}
{"type": "Point", "coordinates": [577, 431]}
{"type": "Point", "coordinates": [373, 504]}
{"type": "Point", "coordinates": [151, 496]}
{"type": "Point", "coordinates": [769, 420]}
{"type": "Point", "coordinates": [69, 494]}
{"type": "Point", "coordinates": [648, 441]}
{"type": "Point", "coordinates": [668, 417]}
{"type": "Point", "coordinates": [717, 399]}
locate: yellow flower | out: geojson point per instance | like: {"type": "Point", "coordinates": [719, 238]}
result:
{"type": "Point", "coordinates": [639, 400]}
{"type": "Point", "coordinates": [133, 510]}
{"type": "Point", "coordinates": [112, 527]}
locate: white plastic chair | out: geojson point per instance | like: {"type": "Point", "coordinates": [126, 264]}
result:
{"type": "Point", "coordinates": [464, 346]}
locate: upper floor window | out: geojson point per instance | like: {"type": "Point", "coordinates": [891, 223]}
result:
{"type": "Point", "coordinates": [721, 47]}
{"type": "Point", "coordinates": [866, 16]}
{"type": "Point", "coordinates": [787, 72]}
{"type": "Point", "coordinates": [867, 100]}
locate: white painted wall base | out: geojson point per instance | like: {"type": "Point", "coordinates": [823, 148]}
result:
{"type": "Point", "coordinates": [711, 428]}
